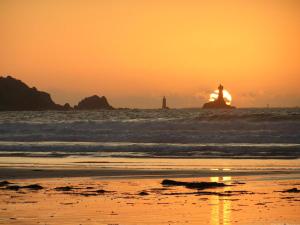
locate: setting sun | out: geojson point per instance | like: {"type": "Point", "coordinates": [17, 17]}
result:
{"type": "Point", "coordinates": [227, 96]}
{"type": "Point", "coordinates": [134, 52]}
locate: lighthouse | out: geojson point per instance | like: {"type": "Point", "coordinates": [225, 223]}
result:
{"type": "Point", "coordinates": [218, 103]}
{"type": "Point", "coordinates": [164, 103]}
{"type": "Point", "coordinates": [220, 97]}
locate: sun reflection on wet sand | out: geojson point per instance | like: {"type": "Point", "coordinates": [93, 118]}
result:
{"type": "Point", "coordinates": [220, 208]}
{"type": "Point", "coordinates": [123, 202]}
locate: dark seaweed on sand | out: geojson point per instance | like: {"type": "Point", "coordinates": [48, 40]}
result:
{"type": "Point", "coordinates": [30, 187]}
{"type": "Point", "coordinates": [193, 185]}
{"type": "Point", "coordinates": [5, 183]}
{"type": "Point", "coordinates": [292, 190]}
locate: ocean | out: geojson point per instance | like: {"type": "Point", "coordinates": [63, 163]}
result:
{"type": "Point", "coordinates": [138, 133]}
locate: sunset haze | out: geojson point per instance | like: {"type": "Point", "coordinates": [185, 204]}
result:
{"type": "Point", "coordinates": [136, 52]}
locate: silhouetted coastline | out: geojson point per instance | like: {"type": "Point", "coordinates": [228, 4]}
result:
{"type": "Point", "coordinates": [15, 95]}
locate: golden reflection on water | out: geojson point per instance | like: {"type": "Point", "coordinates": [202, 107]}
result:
{"type": "Point", "coordinates": [220, 212]}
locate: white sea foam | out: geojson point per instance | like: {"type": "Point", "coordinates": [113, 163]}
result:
{"type": "Point", "coordinates": [154, 133]}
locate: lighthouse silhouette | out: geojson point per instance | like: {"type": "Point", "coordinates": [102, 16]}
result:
{"type": "Point", "coordinates": [164, 103]}
{"type": "Point", "coordinates": [219, 103]}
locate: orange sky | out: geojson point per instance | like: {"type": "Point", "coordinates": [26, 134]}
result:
{"type": "Point", "coordinates": [134, 52]}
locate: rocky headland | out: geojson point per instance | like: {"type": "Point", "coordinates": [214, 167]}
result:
{"type": "Point", "coordinates": [15, 95]}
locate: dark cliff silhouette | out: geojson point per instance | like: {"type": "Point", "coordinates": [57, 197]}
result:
{"type": "Point", "coordinates": [219, 103]}
{"type": "Point", "coordinates": [93, 103]}
{"type": "Point", "coordinates": [16, 95]}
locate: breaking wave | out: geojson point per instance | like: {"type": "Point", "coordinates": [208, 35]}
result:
{"type": "Point", "coordinates": [154, 133]}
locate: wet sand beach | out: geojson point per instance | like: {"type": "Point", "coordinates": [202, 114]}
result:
{"type": "Point", "coordinates": [246, 200]}
{"type": "Point", "coordinates": [118, 194]}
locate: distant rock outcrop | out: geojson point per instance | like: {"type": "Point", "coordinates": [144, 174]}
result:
{"type": "Point", "coordinates": [219, 103]}
{"type": "Point", "coordinates": [16, 95]}
{"type": "Point", "coordinates": [93, 103]}
{"type": "Point", "coordinates": [67, 107]}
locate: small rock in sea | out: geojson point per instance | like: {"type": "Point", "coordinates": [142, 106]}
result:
{"type": "Point", "coordinates": [143, 193]}
{"type": "Point", "coordinates": [93, 103]}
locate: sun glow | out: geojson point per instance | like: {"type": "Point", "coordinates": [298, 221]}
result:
{"type": "Point", "coordinates": [226, 95]}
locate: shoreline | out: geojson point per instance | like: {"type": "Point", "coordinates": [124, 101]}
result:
{"type": "Point", "coordinates": [64, 155]}
{"type": "Point", "coordinates": [100, 173]}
